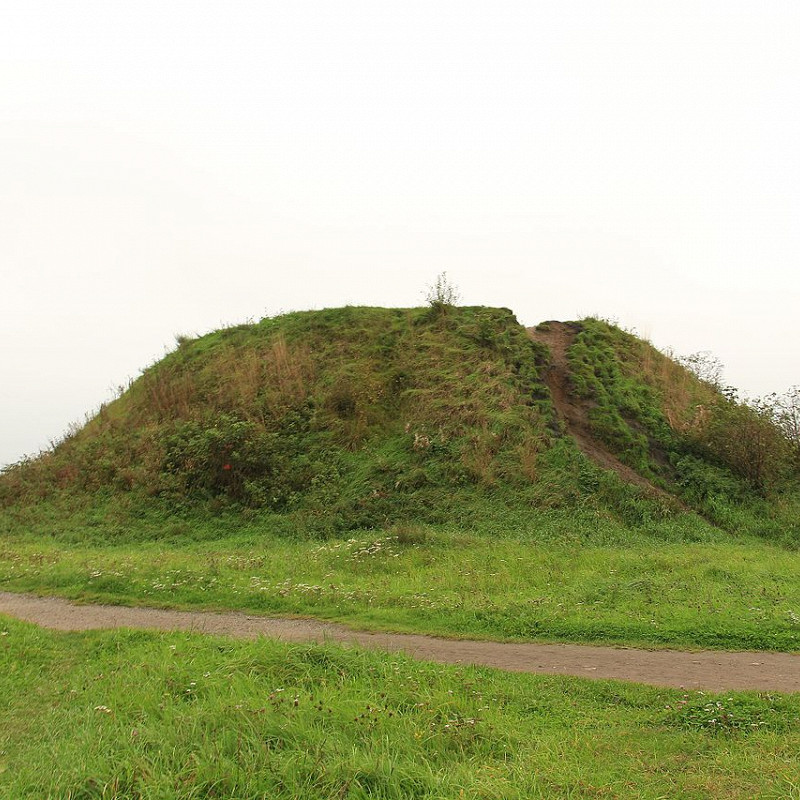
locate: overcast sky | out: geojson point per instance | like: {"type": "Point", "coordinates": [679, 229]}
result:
{"type": "Point", "coordinates": [168, 167]}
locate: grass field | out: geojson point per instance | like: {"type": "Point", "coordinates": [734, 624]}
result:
{"type": "Point", "coordinates": [563, 577]}
{"type": "Point", "coordinates": [405, 469]}
{"type": "Point", "coordinates": [143, 715]}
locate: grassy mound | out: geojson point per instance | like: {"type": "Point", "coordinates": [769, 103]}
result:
{"type": "Point", "coordinates": [360, 418]}
{"type": "Point", "coordinates": [360, 415]}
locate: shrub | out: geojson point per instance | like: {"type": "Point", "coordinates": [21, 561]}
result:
{"type": "Point", "coordinates": [441, 296]}
{"type": "Point", "coordinates": [702, 482]}
{"type": "Point", "coordinates": [442, 292]}
{"type": "Point", "coordinates": [224, 455]}
{"type": "Point", "coordinates": [787, 416]}
{"type": "Point", "coordinates": [745, 438]}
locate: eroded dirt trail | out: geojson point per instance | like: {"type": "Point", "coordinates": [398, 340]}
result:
{"type": "Point", "coordinates": [709, 670]}
{"type": "Point", "coordinates": [573, 412]}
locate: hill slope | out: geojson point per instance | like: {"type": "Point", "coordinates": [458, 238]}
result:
{"type": "Point", "coordinates": [361, 417]}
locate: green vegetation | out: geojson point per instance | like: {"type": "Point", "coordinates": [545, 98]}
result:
{"type": "Point", "coordinates": [573, 577]}
{"type": "Point", "coordinates": [124, 715]}
{"type": "Point", "coordinates": [406, 469]}
{"type": "Point", "coordinates": [359, 418]}
{"type": "Point", "coordinates": [347, 418]}
{"type": "Point", "coordinates": [731, 461]}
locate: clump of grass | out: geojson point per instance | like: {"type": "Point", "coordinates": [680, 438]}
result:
{"type": "Point", "coordinates": [409, 534]}
{"type": "Point", "coordinates": [734, 713]}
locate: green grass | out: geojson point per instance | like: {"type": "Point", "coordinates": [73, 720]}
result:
{"type": "Point", "coordinates": [400, 469]}
{"type": "Point", "coordinates": [348, 416]}
{"type": "Point", "coordinates": [726, 459]}
{"type": "Point", "coordinates": [558, 575]}
{"type": "Point", "coordinates": [355, 418]}
{"type": "Point", "coordinates": [143, 715]}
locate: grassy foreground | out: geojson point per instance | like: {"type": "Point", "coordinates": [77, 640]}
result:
{"type": "Point", "coordinates": [142, 715]}
{"type": "Point", "coordinates": [568, 577]}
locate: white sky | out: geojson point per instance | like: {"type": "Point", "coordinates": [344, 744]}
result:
{"type": "Point", "coordinates": [167, 167]}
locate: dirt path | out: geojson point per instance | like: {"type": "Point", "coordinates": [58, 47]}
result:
{"type": "Point", "coordinates": [710, 670]}
{"type": "Point", "coordinates": [574, 414]}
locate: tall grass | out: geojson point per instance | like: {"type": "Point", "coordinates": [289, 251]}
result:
{"type": "Point", "coordinates": [124, 715]}
{"type": "Point", "coordinates": [335, 403]}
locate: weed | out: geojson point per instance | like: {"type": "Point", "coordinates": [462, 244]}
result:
{"type": "Point", "coordinates": [442, 293]}
{"type": "Point", "coordinates": [735, 713]}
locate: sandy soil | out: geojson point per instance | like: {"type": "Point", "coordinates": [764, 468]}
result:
{"type": "Point", "coordinates": [710, 670]}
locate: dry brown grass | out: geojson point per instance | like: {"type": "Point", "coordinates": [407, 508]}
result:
{"type": "Point", "coordinates": [288, 373]}
{"type": "Point", "coordinates": [257, 383]}
{"type": "Point", "coordinates": [528, 452]}
{"type": "Point", "coordinates": [479, 456]}
{"type": "Point", "coordinates": [682, 395]}
{"type": "Point", "coordinates": [165, 394]}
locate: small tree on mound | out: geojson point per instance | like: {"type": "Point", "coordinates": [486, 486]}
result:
{"type": "Point", "coordinates": [442, 294]}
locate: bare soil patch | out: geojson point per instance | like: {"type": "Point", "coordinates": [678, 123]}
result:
{"type": "Point", "coordinates": [708, 670]}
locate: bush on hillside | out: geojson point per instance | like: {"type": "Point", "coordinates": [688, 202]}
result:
{"type": "Point", "coordinates": [225, 455]}
{"type": "Point", "coordinates": [787, 417]}
{"type": "Point", "coordinates": [745, 438]}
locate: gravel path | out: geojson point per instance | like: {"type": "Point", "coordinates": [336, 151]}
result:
{"type": "Point", "coordinates": [710, 670]}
